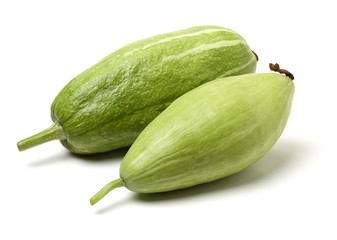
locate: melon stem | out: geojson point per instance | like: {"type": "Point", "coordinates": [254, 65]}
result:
{"type": "Point", "coordinates": [106, 189]}
{"type": "Point", "coordinates": [54, 132]}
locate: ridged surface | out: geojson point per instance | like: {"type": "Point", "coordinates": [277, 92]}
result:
{"type": "Point", "coordinates": [108, 105]}
{"type": "Point", "coordinates": [210, 132]}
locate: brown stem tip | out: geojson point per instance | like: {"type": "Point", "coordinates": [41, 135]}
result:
{"type": "Point", "coordinates": [257, 57]}
{"type": "Point", "coordinates": [276, 68]}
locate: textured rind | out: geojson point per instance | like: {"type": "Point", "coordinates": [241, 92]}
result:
{"type": "Point", "coordinates": [209, 133]}
{"type": "Point", "coordinates": [109, 104]}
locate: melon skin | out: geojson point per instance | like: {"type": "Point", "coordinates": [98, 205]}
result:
{"type": "Point", "coordinates": [211, 132]}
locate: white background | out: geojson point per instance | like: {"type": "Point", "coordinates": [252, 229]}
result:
{"type": "Point", "coordinates": [289, 194]}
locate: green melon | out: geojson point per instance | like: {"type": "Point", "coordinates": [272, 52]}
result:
{"type": "Point", "coordinates": [108, 105]}
{"type": "Point", "coordinates": [209, 133]}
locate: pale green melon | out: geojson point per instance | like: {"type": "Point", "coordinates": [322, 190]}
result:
{"type": "Point", "coordinates": [211, 132]}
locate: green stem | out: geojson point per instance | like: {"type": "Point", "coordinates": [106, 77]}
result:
{"type": "Point", "coordinates": [54, 132]}
{"type": "Point", "coordinates": [106, 189]}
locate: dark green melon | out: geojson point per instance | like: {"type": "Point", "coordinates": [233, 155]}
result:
{"type": "Point", "coordinates": [108, 105]}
